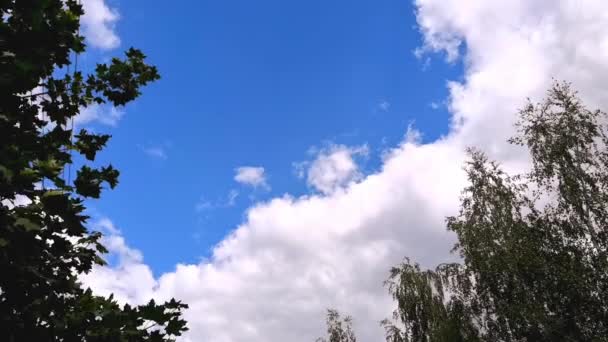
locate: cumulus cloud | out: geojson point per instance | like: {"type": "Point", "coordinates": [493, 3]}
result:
{"type": "Point", "coordinates": [103, 114]}
{"type": "Point", "coordinates": [254, 176]}
{"type": "Point", "coordinates": [98, 24]}
{"type": "Point", "coordinates": [273, 276]}
{"type": "Point", "coordinates": [129, 279]}
{"type": "Point", "coordinates": [333, 168]}
{"type": "Point", "coordinates": [105, 225]}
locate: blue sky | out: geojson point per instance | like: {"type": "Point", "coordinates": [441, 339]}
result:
{"type": "Point", "coordinates": [257, 84]}
{"type": "Point", "coordinates": [302, 108]}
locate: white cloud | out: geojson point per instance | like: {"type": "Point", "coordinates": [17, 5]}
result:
{"type": "Point", "coordinates": [205, 205]}
{"type": "Point", "coordinates": [232, 195]}
{"type": "Point", "coordinates": [98, 24]}
{"type": "Point", "coordinates": [272, 278]}
{"type": "Point", "coordinates": [103, 114]}
{"type": "Point", "coordinates": [158, 152]}
{"type": "Point", "coordinates": [19, 201]}
{"type": "Point", "coordinates": [105, 225]}
{"type": "Point", "coordinates": [384, 106]}
{"type": "Point", "coordinates": [251, 175]}
{"type": "Point", "coordinates": [130, 280]}
{"type": "Point", "coordinates": [300, 168]}
{"type": "Point", "coordinates": [333, 168]}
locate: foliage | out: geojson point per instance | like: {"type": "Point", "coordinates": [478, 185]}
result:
{"type": "Point", "coordinates": [44, 242]}
{"type": "Point", "coordinates": [534, 246]}
{"type": "Point", "coordinates": [338, 329]}
{"type": "Point", "coordinates": [422, 307]}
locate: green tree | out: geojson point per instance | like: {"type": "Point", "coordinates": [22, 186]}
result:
{"type": "Point", "coordinates": [44, 242]}
{"type": "Point", "coordinates": [338, 329]}
{"type": "Point", "coordinates": [534, 246]}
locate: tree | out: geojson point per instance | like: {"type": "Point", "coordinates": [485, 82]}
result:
{"type": "Point", "coordinates": [44, 242]}
{"type": "Point", "coordinates": [338, 329]}
{"type": "Point", "coordinates": [534, 246]}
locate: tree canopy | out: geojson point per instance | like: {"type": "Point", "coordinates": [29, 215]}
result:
{"type": "Point", "coordinates": [534, 246]}
{"type": "Point", "coordinates": [44, 241]}
{"type": "Point", "coordinates": [339, 329]}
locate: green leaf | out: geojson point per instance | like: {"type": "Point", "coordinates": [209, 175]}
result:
{"type": "Point", "coordinates": [6, 173]}
{"type": "Point", "coordinates": [27, 224]}
{"type": "Point", "coordinates": [49, 168]}
{"type": "Point", "coordinates": [89, 144]}
{"type": "Point", "coordinates": [51, 193]}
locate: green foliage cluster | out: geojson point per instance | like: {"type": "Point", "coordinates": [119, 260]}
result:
{"type": "Point", "coordinates": [44, 241]}
{"type": "Point", "coordinates": [534, 246]}
{"type": "Point", "coordinates": [338, 329]}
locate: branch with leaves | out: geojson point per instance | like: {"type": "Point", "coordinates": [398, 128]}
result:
{"type": "Point", "coordinates": [44, 241]}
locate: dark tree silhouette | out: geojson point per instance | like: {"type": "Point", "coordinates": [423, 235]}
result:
{"type": "Point", "coordinates": [534, 246]}
{"type": "Point", "coordinates": [44, 242]}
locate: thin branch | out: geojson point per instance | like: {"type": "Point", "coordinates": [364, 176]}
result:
{"type": "Point", "coordinates": [33, 95]}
